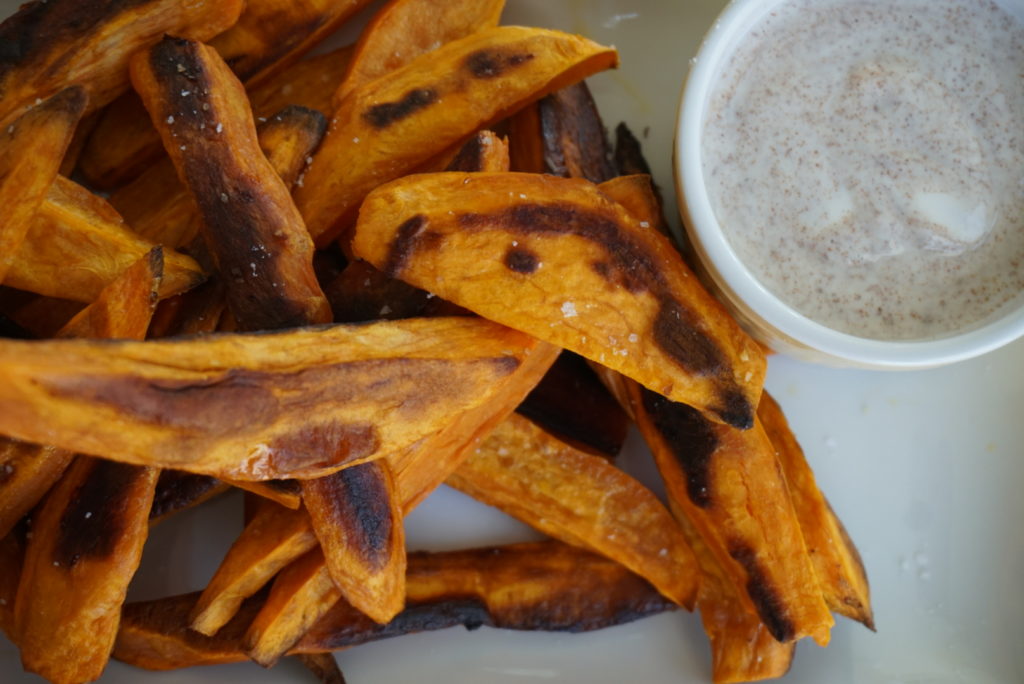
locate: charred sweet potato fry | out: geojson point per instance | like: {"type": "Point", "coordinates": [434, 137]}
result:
{"type": "Point", "coordinates": [273, 538]}
{"type": "Point", "coordinates": [86, 545]}
{"type": "Point", "coordinates": [405, 29]}
{"type": "Point", "coordinates": [62, 42]}
{"type": "Point", "coordinates": [557, 258]}
{"type": "Point", "coordinates": [363, 293]}
{"type": "Point", "coordinates": [542, 586]}
{"type": "Point", "coordinates": [301, 594]}
{"type": "Point", "coordinates": [357, 517]}
{"type": "Point", "coordinates": [574, 140]}
{"type": "Point", "coordinates": [580, 499]}
{"type": "Point", "coordinates": [252, 228]}
{"type": "Point", "coordinates": [485, 151]}
{"type": "Point", "coordinates": [837, 563]}
{"type": "Point", "coordinates": [177, 491]}
{"type": "Point", "coordinates": [571, 403]}
{"type": "Point", "coordinates": [252, 407]}
{"type": "Point", "coordinates": [27, 471]}
{"type": "Point", "coordinates": [323, 666]}
{"type": "Point", "coordinates": [728, 484]}
{"type": "Point", "coordinates": [389, 126]}
{"type": "Point", "coordinates": [78, 244]}
{"type": "Point", "coordinates": [31, 151]}
{"type": "Point", "coordinates": [125, 144]}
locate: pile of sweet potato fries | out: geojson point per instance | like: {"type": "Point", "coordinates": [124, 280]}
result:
{"type": "Point", "coordinates": [337, 282]}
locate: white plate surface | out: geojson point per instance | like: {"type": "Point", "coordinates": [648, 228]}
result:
{"type": "Point", "coordinates": [925, 469]}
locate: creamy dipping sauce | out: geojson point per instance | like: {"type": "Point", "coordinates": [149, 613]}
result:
{"type": "Point", "coordinates": [865, 159]}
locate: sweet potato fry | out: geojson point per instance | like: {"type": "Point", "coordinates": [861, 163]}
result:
{"type": "Point", "coordinates": [729, 485]}
{"type": "Point", "coordinates": [485, 151]}
{"type": "Point", "coordinates": [542, 586]}
{"type": "Point", "coordinates": [123, 308]}
{"type": "Point", "coordinates": [124, 143]}
{"type": "Point", "coordinates": [78, 244]}
{"type": "Point", "coordinates": [557, 258]}
{"type": "Point", "coordinates": [252, 228]}
{"type": "Point", "coordinates": [177, 491]}
{"type": "Point", "coordinates": [254, 407]}
{"type": "Point", "coordinates": [289, 138]}
{"type": "Point", "coordinates": [837, 563]}
{"type": "Point", "coordinates": [480, 78]}
{"type": "Point", "coordinates": [571, 403]}
{"type": "Point", "coordinates": [301, 595]}
{"type": "Point", "coordinates": [88, 534]}
{"type": "Point", "coordinates": [357, 517]}
{"type": "Point", "coordinates": [275, 537]}
{"type": "Point", "coordinates": [63, 42]}
{"type": "Point", "coordinates": [363, 293]}
{"type": "Point", "coordinates": [580, 499]}
{"type": "Point", "coordinates": [285, 493]}
{"type": "Point", "coordinates": [575, 142]}
{"type": "Point", "coordinates": [526, 144]}
{"type": "Point", "coordinates": [405, 29]}
{"type": "Point", "coordinates": [31, 151]}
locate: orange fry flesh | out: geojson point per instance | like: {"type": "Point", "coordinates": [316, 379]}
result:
{"type": "Point", "coordinates": [480, 78]}
{"type": "Point", "coordinates": [558, 259]}
{"type": "Point", "coordinates": [580, 499]}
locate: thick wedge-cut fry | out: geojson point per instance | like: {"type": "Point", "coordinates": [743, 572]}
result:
{"type": "Point", "coordinates": [357, 516]}
{"type": "Point", "coordinates": [542, 586]}
{"type": "Point", "coordinates": [405, 29]}
{"type": "Point", "coordinates": [572, 404]}
{"type": "Point", "coordinates": [580, 499]}
{"type": "Point", "coordinates": [289, 138]}
{"type": "Point", "coordinates": [177, 491]}
{"type": "Point", "coordinates": [31, 151]}
{"type": "Point", "coordinates": [253, 230]}
{"type": "Point", "coordinates": [300, 596]}
{"type": "Point", "coordinates": [123, 309]}
{"type": "Point", "coordinates": [557, 258]}
{"type": "Point", "coordinates": [837, 563]}
{"type": "Point", "coordinates": [273, 538]}
{"type": "Point", "coordinates": [87, 537]}
{"type": "Point", "coordinates": [575, 143]}
{"type": "Point", "coordinates": [56, 43]}
{"type": "Point", "coordinates": [391, 125]}
{"type": "Point", "coordinates": [253, 407]}
{"type": "Point", "coordinates": [78, 244]}
{"type": "Point", "coordinates": [729, 485]}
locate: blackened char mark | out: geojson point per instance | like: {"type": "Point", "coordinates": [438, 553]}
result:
{"type": "Point", "coordinates": [766, 598]}
{"type": "Point", "coordinates": [384, 114]}
{"type": "Point", "coordinates": [691, 438]}
{"type": "Point", "coordinates": [403, 245]}
{"type": "Point", "coordinates": [41, 27]}
{"type": "Point", "coordinates": [93, 522]}
{"type": "Point", "coordinates": [359, 499]}
{"type": "Point", "coordinates": [490, 63]}
{"type": "Point", "coordinates": [177, 490]}
{"type": "Point", "coordinates": [469, 157]}
{"type": "Point", "coordinates": [521, 260]}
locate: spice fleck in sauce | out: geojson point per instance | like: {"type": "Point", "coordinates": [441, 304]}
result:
{"type": "Point", "coordinates": [865, 159]}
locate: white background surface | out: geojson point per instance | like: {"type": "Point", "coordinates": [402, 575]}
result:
{"type": "Point", "coordinates": [925, 469]}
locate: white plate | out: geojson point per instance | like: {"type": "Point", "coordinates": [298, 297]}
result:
{"type": "Point", "coordinates": [924, 468]}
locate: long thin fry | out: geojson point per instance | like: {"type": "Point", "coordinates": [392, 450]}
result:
{"type": "Point", "coordinates": [480, 78]}
{"type": "Point", "coordinates": [255, 234]}
{"type": "Point", "coordinates": [580, 499]}
{"type": "Point", "coordinates": [271, 540]}
{"type": "Point", "coordinates": [254, 407]}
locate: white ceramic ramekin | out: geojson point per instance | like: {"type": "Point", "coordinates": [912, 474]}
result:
{"type": "Point", "coordinates": [761, 313]}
